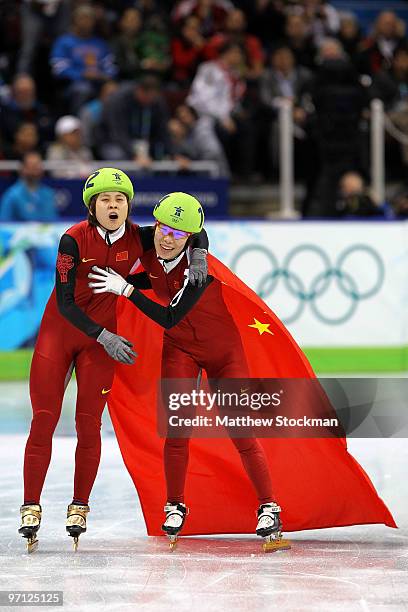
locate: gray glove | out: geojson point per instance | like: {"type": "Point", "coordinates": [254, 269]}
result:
{"type": "Point", "coordinates": [198, 267]}
{"type": "Point", "coordinates": [117, 347]}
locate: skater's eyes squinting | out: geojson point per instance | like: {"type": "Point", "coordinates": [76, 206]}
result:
{"type": "Point", "coordinates": [120, 199]}
{"type": "Point", "coordinates": [111, 209]}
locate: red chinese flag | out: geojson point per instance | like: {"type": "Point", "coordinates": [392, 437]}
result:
{"type": "Point", "coordinates": [316, 481]}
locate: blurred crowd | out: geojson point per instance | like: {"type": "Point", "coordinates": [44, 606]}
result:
{"type": "Point", "coordinates": [196, 80]}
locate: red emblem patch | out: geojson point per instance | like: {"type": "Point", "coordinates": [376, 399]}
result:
{"type": "Point", "coordinates": [64, 264]}
{"type": "Point", "coordinates": [123, 256]}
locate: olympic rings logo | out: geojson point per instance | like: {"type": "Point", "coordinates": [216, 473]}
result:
{"type": "Point", "coordinates": [331, 275]}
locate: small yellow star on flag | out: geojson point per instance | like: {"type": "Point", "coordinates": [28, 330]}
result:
{"type": "Point", "coordinates": [261, 327]}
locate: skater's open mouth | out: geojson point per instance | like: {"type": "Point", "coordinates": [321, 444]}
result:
{"type": "Point", "coordinates": [113, 216]}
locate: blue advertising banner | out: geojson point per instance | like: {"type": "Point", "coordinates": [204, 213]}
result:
{"type": "Point", "coordinates": [27, 271]}
{"type": "Point", "coordinates": [212, 193]}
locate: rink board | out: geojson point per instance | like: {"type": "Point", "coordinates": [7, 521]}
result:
{"type": "Point", "coordinates": [340, 288]}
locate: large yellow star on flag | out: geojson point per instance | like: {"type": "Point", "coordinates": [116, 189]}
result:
{"type": "Point", "coordinates": [261, 327]}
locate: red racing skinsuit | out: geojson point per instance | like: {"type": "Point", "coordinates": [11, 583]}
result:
{"type": "Point", "coordinates": [200, 333]}
{"type": "Point", "coordinates": [72, 320]}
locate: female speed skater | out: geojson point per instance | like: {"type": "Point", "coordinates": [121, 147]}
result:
{"type": "Point", "coordinates": [227, 330]}
{"type": "Point", "coordinates": [78, 330]}
{"type": "Point", "coordinates": [183, 356]}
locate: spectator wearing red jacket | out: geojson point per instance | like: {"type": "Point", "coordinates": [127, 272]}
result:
{"type": "Point", "coordinates": [235, 32]}
{"type": "Point", "coordinates": [187, 50]}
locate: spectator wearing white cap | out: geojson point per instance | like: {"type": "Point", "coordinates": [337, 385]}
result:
{"type": "Point", "coordinates": [69, 147]}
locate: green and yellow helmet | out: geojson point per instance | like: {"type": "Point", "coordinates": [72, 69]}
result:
{"type": "Point", "coordinates": [107, 179]}
{"type": "Point", "coordinates": [181, 211]}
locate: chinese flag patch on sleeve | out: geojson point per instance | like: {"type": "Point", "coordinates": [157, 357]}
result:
{"type": "Point", "coordinates": [122, 256]}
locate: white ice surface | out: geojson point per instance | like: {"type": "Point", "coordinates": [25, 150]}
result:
{"type": "Point", "coordinates": [117, 567]}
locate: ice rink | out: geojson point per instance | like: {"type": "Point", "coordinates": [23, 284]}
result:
{"type": "Point", "coordinates": [117, 567]}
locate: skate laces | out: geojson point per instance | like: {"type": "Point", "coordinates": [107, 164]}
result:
{"type": "Point", "coordinates": [268, 514]}
{"type": "Point", "coordinates": [268, 509]}
{"type": "Point", "coordinates": [175, 514]}
{"type": "Point", "coordinates": [76, 515]}
{"type": "Point", "coordinates": [30, 515]}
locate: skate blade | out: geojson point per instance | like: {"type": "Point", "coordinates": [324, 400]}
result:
{"type": "Point", "coordinates": [274, 545]}
{"type": "Point", "coordinates": [173, 543]}
{"type": "Point", "coordinates": [32, 545]}
{"type": "Point", "coordinates": [75, 543]}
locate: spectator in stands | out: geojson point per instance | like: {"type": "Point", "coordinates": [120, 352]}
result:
{"type": "Point", "coordinates": [124, 45]}
{"type": "Point", "coordinates": [299, 40]}
{"type": "Point", "coordinates": [26, 140]}
{"type": "Point", "coordinates": [399, 202]}
{"type": "Point", "coordinates": [40, 18]}
{"type": "Point", "coordinates": [235, 32]}
{"type": "Point", "coordinates": [217, 92]}
{"type": "Point", "coordinates": [134, 123]}
{"type": "Point", "coordinates": [194, 139]}
{"type": "Point", "coordinates": [211, 13]}
{"type": "Point", "coordinates": [322, 18]}
{"type": "Point", "coordinates": [354, 199]}
{"type": "Point", "coordinates": [350, 35]}
{"type": "Point", "coordinates": [91, 116]}
{"type": "Point", "coordinates": [24, 107]}
{"type": "Point", "coordinates": [28, 199]}
{"type": "Point", "coordinates": [187, 51]}
{"type": "Point", "coordinates": [330, 49]}
{"type": "Point", "coordinates": [266, 20]}
{"type": "Point", "coordinates": [153, 47]}
{"type": "Point", "coordinates": [150, 8]}
{"type": "Point", "coordinates": [285, 80]}
{"type": "Point", "coordinates": [10, 36]}
{"type": "Point", "coordinates": [378, 49]}
{"type": "Point", "coordinates": [82, 59]}
{"type": "Point", "coordinates": [69, 148]}
{"type": "Point", "coordinates": [339, 100]}
{"type": "Point", "coordinates": [106, 15]}
{"type": "Point", "coordinates": [391, 86]}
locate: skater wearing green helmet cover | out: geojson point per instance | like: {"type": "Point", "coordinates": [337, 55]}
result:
{"type": "Point", "coordinates": [225, 329]}
{"type": "Point", "coordinates": [78, 330]}
{"type": "Point", "coordinates": [199, 333]}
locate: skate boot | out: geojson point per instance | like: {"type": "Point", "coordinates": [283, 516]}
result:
{"type": "Point", "coordinates": [175, 517]}
{"type": "Point", "coordinates": [269, 527]}
{"type": "Point", "coordinates": [76, 521]}
{"type": "Point", "coordinates": [30, 524]}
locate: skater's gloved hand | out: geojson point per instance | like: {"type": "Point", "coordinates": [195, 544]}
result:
{"type": "Point", "coordinates": [109, 280]}
{"type": "Point", "coordinates": [117, 347]}
{"type": "Point", "coordinates": [198, 270]}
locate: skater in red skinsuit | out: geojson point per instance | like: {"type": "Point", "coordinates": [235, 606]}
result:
{"type": "Point", "coordinates": [317, 481]}
{"type": "Point", "coordinates": [78, 330]}
{"type": "Point", "coordinates": [200, 333]}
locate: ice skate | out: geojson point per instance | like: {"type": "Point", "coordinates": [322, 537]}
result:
{"type": "Point", "coordinates": [269, 527]}
{"type": "Point", "coordinates": [175, 517]}
{"type": "Point", "coordinates": [30, 524]}
{"type": "Point", "coordinates": [76, 521]}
